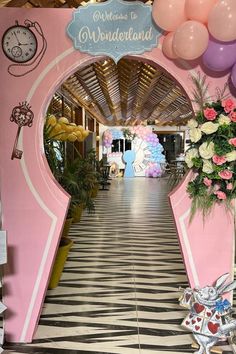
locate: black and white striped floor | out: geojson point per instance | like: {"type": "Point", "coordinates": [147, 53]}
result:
{"type": "Point", "coordinates": [119, 290]}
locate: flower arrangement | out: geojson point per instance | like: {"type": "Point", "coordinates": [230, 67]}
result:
{"type": "Point", "coordinates": [212, 155]}
{"type": "Point", "coordinates": [128, 134]}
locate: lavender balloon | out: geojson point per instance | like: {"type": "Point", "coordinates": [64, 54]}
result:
{"type": "Point", "coordinates": [233, 75]}
{"type": "Point", "coordinates": [219, 56]}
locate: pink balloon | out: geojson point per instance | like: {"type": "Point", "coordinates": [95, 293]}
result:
{"type": "Point", "coordinates": [190, 40]}
{"type": "Point", "coordinates": [222, 20]}
{"type": "Point", "coordinates": [167, 46]}
{"type": "Point", "coordinates": [198, 10]}
{"type": "Point", "coordinates": [168, 14]}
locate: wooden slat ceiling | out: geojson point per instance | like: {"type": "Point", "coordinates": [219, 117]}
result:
{"type": "Point", "coordinates": [126, 93]}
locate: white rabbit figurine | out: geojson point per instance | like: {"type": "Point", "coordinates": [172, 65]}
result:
{"type": "Point", "coordinates": [210, 315]}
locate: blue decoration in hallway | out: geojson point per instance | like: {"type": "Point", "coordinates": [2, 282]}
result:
{"type": "Point", "coordinates": [116, 134]}
{"type": "Point", "coordinates": [129, 157]}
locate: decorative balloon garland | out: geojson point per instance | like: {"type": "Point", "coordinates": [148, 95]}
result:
{"type": "Point", "coordinates": [146, 134]}
{"type": "Point", "coordinates": [198, 28]}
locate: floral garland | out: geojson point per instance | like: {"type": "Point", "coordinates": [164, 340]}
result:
{"type": "Point", "coordinates": [212, 155]}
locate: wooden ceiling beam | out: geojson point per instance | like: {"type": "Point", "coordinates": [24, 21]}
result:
{"type": "Point", "coordinates": [16, 3]}
{"type": "Point", "coordinates": [73, 3]}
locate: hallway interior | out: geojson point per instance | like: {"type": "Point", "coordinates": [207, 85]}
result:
{"type": "Point", "coordinates": [119, 290]}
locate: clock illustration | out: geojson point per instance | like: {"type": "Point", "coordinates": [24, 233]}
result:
{"type": "Point", "coordinates": [19, 43]}
{"type": "Point", "coordinates": [143, 155]}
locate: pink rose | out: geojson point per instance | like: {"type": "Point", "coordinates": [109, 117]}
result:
{"type": "Point", "coordinates": [221, 195]}
{"type": "Point", "coordinates": [216, 188]}
{"type": "Point", "coordinates": [229, 186]}
{"type": "Point", "coordinates": [228, 105]}
{"type": "Point", "coordinates": [233, 116]}
{"type": "Point", "coordinates": [218, 160]}
{"type": "Point", "coordinates": [225, 174]}
{"type": "Point", "coordinates": [207, 182]}
{"type": "Point", "coordinates": [210, 113]}
{"type": "Point", "coordinates": [232, 141]}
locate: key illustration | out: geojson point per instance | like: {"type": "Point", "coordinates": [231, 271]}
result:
{"type": "Point", "coordinates": [22, 116]}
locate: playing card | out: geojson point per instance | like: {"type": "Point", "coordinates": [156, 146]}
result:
{"type": "Point", "coordinates": [186, 298]}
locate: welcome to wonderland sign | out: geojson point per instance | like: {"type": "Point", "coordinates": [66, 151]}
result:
{"type": "Point", "coordinates": [114, 28]}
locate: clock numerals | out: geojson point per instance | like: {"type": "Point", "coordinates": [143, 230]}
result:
{"type": "Point", "coordinates": [140, 167]}
{"type": "Point", "coordinates": [137, 168]}
{"type": "Point", "coordinates": [19, 44]}
{"type": "Point", "coordinates": [145, 162]}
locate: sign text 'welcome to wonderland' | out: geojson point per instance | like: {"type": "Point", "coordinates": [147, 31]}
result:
{"type": "Point", "coordinates": [114, 28]}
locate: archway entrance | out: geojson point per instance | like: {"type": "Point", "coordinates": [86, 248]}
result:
{"type": "Point", "coordinates": [31, 200]}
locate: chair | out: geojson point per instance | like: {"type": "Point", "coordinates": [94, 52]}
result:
{"type": "Point", "coordinates": [104, 170]}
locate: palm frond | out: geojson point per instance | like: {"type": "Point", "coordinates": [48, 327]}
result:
{"type": "Point", "coordinates": [200, 91]}
{"type": "Point", "coordinates": [221, 94]}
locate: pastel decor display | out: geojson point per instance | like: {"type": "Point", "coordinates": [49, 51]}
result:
{"type": "Point", "coordinates": [33, 205]}
{"type": "Point", "coordinates": [167, 46]}
{"type": "Point", "coordinates": [207, 244]}
{"type": "Point", "coordinates": [222, 20]}
{"type": "Point", "coordinates": [190, 40]}
{"type": "Point", "coordinates": [210, 314]}
{"type": "Point", "coordinates": [219, 56]}
{"type": "Point", "coordinates": [233, 75]}
{"type": "Point", "coordinates": [114, 28]}
{"type": "Point", "coordinates": [169, 14]}
{"type": "Point", "coordinates": [129, 157]}
{"type": "Point", "coordinates": [198, 9]}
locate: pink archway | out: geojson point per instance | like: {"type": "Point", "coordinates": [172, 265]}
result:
{"type": "Point", "coordinates": [33, 205]}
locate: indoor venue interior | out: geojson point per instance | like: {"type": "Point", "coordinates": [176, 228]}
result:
{"type": "Point", "coordinates": [117, 176]}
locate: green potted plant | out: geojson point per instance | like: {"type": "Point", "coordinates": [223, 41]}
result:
{"type": "Point", "coordinates": [61, 257]}
{"type": "Point", "coordinates": [92, 159]}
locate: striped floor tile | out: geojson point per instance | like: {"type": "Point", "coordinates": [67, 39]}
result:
{"type": "Point", "coordinates": [119, 290]}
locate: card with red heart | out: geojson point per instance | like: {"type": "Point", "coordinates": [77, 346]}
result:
{"type": "Point", "coordinates": [186, 298]}
{"type": "Point", "coordinates": [211, 328]}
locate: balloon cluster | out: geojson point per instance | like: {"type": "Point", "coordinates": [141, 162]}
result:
{"type": "Point", "coordinates": [107, 138]}
{"type": "Point", "coordinates": [189, 23]}
{"type": "Point", "coordinates": [116, 134]}
{"type": "Point", "coordinates": [145, 134]}
{"type": "Point", "coordinates": [154, 147]}
{"type": "Point", "coordinates": [153, 170]}
{"type": "Point", "coordinates": [61, 129]}
{"type": "Point", "coordinates": [157, 155]}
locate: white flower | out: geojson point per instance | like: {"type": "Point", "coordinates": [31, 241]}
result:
{"type": "Point", "coordinates": [207, 166]}
{"type": "Point", "coordinates": [231, 156]}
{"type": "Point", "coordinates": [195, 134]}
{"type": "Point", "coordinates": [224, 120]}
{"type": "Point", "coordinates": [190, 154]}
{"type": "Point", "coordinates": [209, 127]}
{"type": "Point", "coordinates": [206, 150]}
{"type": "Point", "coordinates": [192, 123]}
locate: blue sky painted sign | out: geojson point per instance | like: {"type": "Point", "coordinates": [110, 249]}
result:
{"type": "Point", "coordinates": [115, 28]}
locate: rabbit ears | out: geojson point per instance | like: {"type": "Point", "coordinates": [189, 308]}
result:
{"type": "Point", "coordinates": [221, 287]}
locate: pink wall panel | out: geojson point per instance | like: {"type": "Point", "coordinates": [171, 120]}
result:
{"type": "Point", "coordinates": [34, 206]}
{"type": "Point", "coordinates": [207, 245]}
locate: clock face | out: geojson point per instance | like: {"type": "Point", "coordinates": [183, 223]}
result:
{"type": "Point", "coordinates": [19, 44]}
{"type": "Point", "coordinates": [142, 157]}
